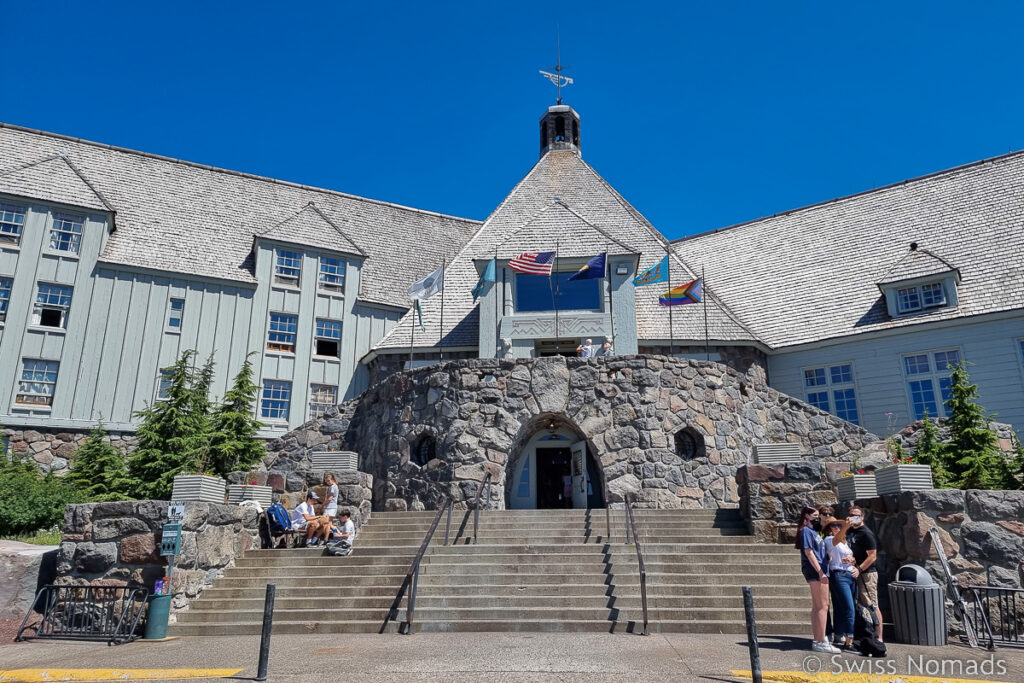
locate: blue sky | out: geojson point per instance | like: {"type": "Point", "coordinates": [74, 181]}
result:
{"type": "Point", "coordinates": [701, 114]}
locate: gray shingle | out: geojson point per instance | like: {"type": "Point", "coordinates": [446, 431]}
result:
{"type": "Point", "coordinates": [916, 263]}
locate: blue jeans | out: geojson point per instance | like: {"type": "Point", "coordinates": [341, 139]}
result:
{"type": "Point", "coordinates": [842, 587]}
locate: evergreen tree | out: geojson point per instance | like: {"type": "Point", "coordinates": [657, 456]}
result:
{"type": "Point", "coordinates": [975, 461]}
{"type": "Point", "coordinates": [930, 451]}
{"type": "Point", "coordinates": [99, 469]}
{"type": "Point", "coordinates": [1013, 471]}
{"type": "Point", "coordinates": [233, 444]}
{"type": "Point", "coordinates": [173, 434]}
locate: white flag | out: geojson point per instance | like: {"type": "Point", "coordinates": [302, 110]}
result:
{"type": "Point", "coordinates": [428, 286]}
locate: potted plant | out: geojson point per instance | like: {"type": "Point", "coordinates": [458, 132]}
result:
{"type": "Point", "coordinates": [199, 488]}
{"type": "Point", "coordinates": [902, 475]}
{"type": "Point", "coordinates": [853, 486]}
{"type": "Point", "coordinates": [251, 491]}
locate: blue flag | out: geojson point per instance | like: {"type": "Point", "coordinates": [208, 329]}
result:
{"type": "Point", "coordinates": [593, 270]}
{"type": "Point", "coordinates": [656, 273]}
{"type": "Point", "coordinates": [488, 276]}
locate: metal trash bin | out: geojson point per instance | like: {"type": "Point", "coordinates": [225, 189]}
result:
{"type": "Point", "coordinates": [918, 607]}
{"type": "Point", "coordinates": [157, 617]}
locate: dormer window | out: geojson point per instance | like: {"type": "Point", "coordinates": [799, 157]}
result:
{"type": "Point", "coordinates": [911, 299]}
{"type": "Point", "coordinates": [918, 282]}
{"type": "Point", "coordinates": [288, 268]}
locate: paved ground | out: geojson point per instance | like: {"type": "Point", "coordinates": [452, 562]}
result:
{"type": "Point", "coordinates": [501, 657]}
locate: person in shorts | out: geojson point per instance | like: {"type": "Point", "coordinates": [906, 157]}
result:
{"type": "Point", "coordinates": [864, 544]}
{"type": "Point", "coordinates": [304, 517]}
{"type": "Point", "coordinates": [814, 567]}
{"type": "Point", "coordinates": [331, 498]}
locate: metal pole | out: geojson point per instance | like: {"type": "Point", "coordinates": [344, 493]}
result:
{"type": "Point", "coordinates": [448, 523]}
{"type": "Point", "coordinates": [494, 288]}
{"type": "Point", "coordinates": [554, 273]}
{"type": "Point", "coordinates": [476, 521]}
{"type": "Point", "coordinates": [608, 522]}
{"type": "Point", "coordinates": [268, 622]}
{"type": "Point", "coordinates": [412, 338]}
{"type": "Point", "coordinates": [440, 338]}
{"type": "Point", "coordinates": [611, 302]}
{"type": "Point", "coordinates": [629, 534]}
{"type": "Point", "coordinates": [755, 652]}
{"type": "Point", "coordinates": [704, 299]}
{"type": "Point", "coordinates": [671, 327]}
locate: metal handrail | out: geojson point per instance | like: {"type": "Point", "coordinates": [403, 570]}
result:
{"type": "Point", "coordinates": [639, 557]}
{"type": "Point", "coordinates": [476, 505]}
{"type": "Point", "coordinates": [413, 575]}
{"type": "Point", "coordinates": [1009, 629]}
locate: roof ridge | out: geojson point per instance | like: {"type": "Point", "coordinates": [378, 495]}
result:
{"type": "Point", "coordinates": [30, 164]}
{"type": "Point", "coordinates": [918, 250]}
{"type": "Point", "coordinates": [835, 200]}
{"type": "Point", "coordinates": [666, 245]}
{"type": "Point", "coordinates": [228, 171]}
{"type": "Point", "coordinates": [596, 227]}
{"type": "Point", "coordinates": [80, 174]}
{"type": "Point", "coordinates": [337, 227]}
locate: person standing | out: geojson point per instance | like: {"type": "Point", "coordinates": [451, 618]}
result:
{"type": "Point", "coordinates": [864, 544]}
{"type": "Point", "coordinates": [842, 585]}
{"type": "Point", "coordinates": [814, 567]}
{"type": "Point", "coordinates": [330, 498]}
{"type": "Point", "coordinates": [586, 350]}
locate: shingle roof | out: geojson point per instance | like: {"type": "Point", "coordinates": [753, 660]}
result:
{"type": "Point", "coordinates": [916, 263]}
{"type": "Point", "coordinates": [557, 227]}
{"type": "Point", "coordinates": [561, 192]}
{"type": "Point", "coordinates": [183, 217]}
{"type": "Point", "coordinates": [311, 227]}
{"type": "Point", "coordinates": [810, 274]}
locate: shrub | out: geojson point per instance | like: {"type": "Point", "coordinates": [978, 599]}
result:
{"type": "Point", "coordinates": [30, 501]}
{"type": "Point", "coordinates": [233, 443]}
{"type": "Point", "coordinates": [98, 469]}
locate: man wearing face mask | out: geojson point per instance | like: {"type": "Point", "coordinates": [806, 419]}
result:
{"type": "Point", "coordinates": [864, 545]}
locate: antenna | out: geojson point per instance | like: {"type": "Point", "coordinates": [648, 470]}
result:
{"type": "Point", "coordinates": [557, 78]}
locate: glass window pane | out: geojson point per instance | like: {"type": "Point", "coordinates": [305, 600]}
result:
{"type": "Point", "coordinates": [943, 359]}
{"type": "Point", "coordinates": [933, 295]}
{"type": "Point", "coordinates": [842, 374]}
{"type": "Point", "coordinates": [922, 396]}
{"type": "Point", "coordinates": [332, 273]}
{"type": "Point", "coordinates": [916, 365]}
{"type": "Point", "coordinates": [328, 329]}
{"type": "Point", "coordinates": [536, 293]}
{"type": "Point", "coordinates": [818, 399]}
{"type": "Point", "coordinates": [846, 404]}
{"type": "Point", "coordinates": [289, 265]}
{"type": "Point", "coordinates": [66, 233]}
{"type": "Point", "coordinates": [277, 396]}
{"type": "Point", "coordinates": [814, 377]}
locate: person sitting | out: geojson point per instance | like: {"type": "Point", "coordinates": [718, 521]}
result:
{"type": "Point", "coordinates": [305, 517]}
{"type": "Point", "coordinates": [341, 538]}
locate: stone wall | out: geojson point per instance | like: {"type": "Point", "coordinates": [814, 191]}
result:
{"type": "Point", "coordinates": [482, 412]}
{"type": "Point", "coordinates": [291, 478]}
{"type": "Point", "coordinates": [771, 496]}
{"type": "Point", "coordinates": [119, 543]}
{"type": "Point", "coordinates": [743, 359]}
{"type": "Point", "coordinates": [54, 449]}
{"type": "Point", "coordinates": [911, 434]}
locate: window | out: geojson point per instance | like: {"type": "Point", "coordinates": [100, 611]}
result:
{"type": "Point", "coordinates": [5, 296]}
{"type": "Point", "coordinates": [910, 299]}
{"type": "Point", "coordinates": [277, 395]}
{"type": "Point", "coordinates": [289, 265]}
{"type": "Point", "coordinates": [1020, 341]}
{"type": "Point", "coordinates": [928, 381]}
{"type": "Point", "coordinates": [164, 385]}
{"type": "Point", "coordinates": [282, 332]}
{"type": "Point", "coordinates": [424, 451]}
{"type": "Point", "coordinates": [12, 220]}
{"type": "Point", "coordinates": [328, 338]}
{"type": "Point", "coordinates": [332, 274]}
{"type": "Point", "coordinates": [52, 304]}
{"type": "Point", "coordinates": [322, 397]}
{"type": "Point", "coordinates": [688, 443]}
{"type": "Point", "coordinates": [536, 293]}
{"type": "Point", "coordinates": [831, 388]}
{"type": "Point", "coordinates": [66, 233]}
{"type": "Point", "coordinates": [38, 378]}
{"type": "Point", "coordinates": [175, 309]}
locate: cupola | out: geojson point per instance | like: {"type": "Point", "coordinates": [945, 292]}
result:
{"type": "Point", "coordinates": [560, 129]}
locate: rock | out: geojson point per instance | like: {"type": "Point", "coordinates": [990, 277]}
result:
{"type": "Point", "coordinates": [94, 558]}
{"type": "Point", "coordinates": [992, 506]}
{"type": "Point", "coordinates": [938, 500]}
{"type": "Point", "coordinates": [550, 383]}
{"type": "Point", "coordinates": [215, 547]}
{"type": "Point", "coordinates": [23, 568]}
{"type": "Point", "coordinates": [139, 549]}
{"type": "Point", "coordinates": [110, 529]}
{"type": "Point", "coordinates": [987, 542]}
{"type": "Point", "coordinates": [917, 540]}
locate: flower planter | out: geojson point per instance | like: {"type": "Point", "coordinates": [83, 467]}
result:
{"type": "Point", "coordinates": [896, 478]}
{"type": "Point", "coordinates": [857, 486]}
{"type": "Point", "coordinates": [198, 488]}
{"type": "Point", "coordinates": [335, 461]}
{"type": "Point", "coordinates": [264, 495]}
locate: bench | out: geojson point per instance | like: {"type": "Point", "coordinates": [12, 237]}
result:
{"type": "Point", "coordinates": [774, 453]}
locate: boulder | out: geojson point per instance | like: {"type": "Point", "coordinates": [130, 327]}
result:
{"type": "Point", "coordinates": [139, 549]}
{"type": "Point", "coordinates": [95, 558]}
{"type": "Point", "coordinates": [23, 568]}
{"type": "Point", "coordinates": [992, 506]}
{"type": "Point", "coordinates": [987, 542]}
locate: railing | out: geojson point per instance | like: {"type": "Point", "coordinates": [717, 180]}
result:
{"type": "Point", "coordinates": [412, 577]}
{"type": "Point", "coordinates": [476, 505]}
{"type": "Point", "coordinates": [631, 527]}
{"type": "Point", "coordinates": [1001, 611]}
{"type": "Point", "coordinates": [109, 613]}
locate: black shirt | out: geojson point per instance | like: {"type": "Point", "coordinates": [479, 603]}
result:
{"type": "Point", "coordinates": [862, 540]}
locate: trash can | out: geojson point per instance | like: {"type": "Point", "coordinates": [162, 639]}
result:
{"type": "Point", "coordinates": [918, 607]}
{"type": "Point", "coordinates": [157, 616]}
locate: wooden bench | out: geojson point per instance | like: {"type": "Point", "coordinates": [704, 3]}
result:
{"type": "Point", "coordinates": [775, 453]}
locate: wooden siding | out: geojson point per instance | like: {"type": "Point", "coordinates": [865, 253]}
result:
{"type": "Point", "coordinates": [990, 346]}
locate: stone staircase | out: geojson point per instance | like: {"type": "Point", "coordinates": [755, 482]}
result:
{"type": "Point", "coordinates": [532, 570]}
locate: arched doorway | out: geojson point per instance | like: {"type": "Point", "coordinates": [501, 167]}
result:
{"type": "Point", "coordinates": [554, 469]}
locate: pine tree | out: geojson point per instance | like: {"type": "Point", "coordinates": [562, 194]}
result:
{"type": "Point", "coordinates": [975, 461]}
{"type": "Point", "coordinates": [173, 434]}
{"type": "Point", "coordinates": [1013, 469]}
{"type": "Point", "coordinates": [233, 444]}
{"type": "Point", "coordinates": [99, 469]}
{"type": "Point", "coordinates": [930, 451]}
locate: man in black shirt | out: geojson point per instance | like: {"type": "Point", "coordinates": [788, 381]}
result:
{"type": "Point", "coordinates": [864, 545]}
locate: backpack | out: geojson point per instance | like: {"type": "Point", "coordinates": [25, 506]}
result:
{"type": "Point", "coordinates": [339, 548]}
{"type": "Point", "coordinates": [278, 518]}
{"type": "Point", "coordinates": [865, 632]}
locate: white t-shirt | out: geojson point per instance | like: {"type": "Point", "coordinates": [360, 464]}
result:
{"type": "Point", "coordinates": [348, 528]}
{"type": "Point", "coordinates": [587, 351]}
{"type": "Point", "coordinates": [331, 506]}
{"type": "Point", "coordinates": [836, 553]}
{"type": "Point", "coordinates": [298, 521]}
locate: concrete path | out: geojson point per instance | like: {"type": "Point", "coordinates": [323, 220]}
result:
{"type": "Point", "coordinates": [588, 657]}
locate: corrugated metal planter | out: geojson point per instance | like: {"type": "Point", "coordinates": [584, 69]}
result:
{"type": "Point", "coordinates": [896, 478]}
{"type": "Point", "coordinates": [857, 486]}
{"type": "Point", "coordinates": [198, 488]}
{"type": "Point", "coordinates": [264, 495]}
{"type": "Point", "coordinates": [335, 461]}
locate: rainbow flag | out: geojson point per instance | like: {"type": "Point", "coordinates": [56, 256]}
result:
{"type": "Point", "coordinates": [690, 293]}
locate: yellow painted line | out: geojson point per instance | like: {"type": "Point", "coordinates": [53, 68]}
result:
{"type": "Point", "coordinates": [37, 675]}
{"type": "Point", "coordinates": [827, 677]}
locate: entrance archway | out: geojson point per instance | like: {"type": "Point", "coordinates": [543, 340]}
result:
{"type": "Point", "coordinates": [554, 469]}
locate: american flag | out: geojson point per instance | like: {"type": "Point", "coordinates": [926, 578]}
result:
{"type": "Point", "coordinates": [534, 264]}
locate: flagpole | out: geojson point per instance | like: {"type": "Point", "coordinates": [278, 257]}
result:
{"type": "Point", "coordinates": [611, 303]}
{"type": "Point", "coordinates": [412, 338]}
{"type": "Point", "coordinates": [671, 327]}
{"type": "Point", "coordinates": [704, 300]}
{"type": "Point", "coordinates": [440, 339]}
{"type": "Point", "coordinates": [494, 287]}
{"type": "Point", "coordinates": [554, 274]}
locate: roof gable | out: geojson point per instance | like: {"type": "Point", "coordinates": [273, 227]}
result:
{"type": "Point", "coordinates": [914, 264]}
{"type": "Point", "coordinates": [311, 227]}
{"type": "Point", "coordinates": [53, 178]}
{"type": "Point", "coordinates": [559, 228]}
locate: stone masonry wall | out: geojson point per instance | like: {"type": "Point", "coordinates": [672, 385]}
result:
{"type": "Point", "coordinates": [290, 480]}
{"type": "Point", "coordinates": [482, 412]}
{"type": "Point", "coordinates": [911, 434]}
{"type": "Point", "coordinates": [54, 449]}
{"type": "Point", "coordinates": [119, 543]}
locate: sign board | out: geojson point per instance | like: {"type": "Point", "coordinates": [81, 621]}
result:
{"type": "Point", "coordinates": [175, 512]}
{"type": "Point", "coordinates": [170, 541]}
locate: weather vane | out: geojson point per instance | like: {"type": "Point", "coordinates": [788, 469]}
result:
{"type": "Point", "coordinates": [557, 78]}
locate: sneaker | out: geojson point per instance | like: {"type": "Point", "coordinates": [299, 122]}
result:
{"type": "Point", "coordinates": [312, 543]}
{"type": "Point", "coordinates": [825, 648]}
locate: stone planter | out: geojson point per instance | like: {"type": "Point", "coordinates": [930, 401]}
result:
{"type": "Point", "coordinates": [264, 495]}
{"type": "Point", "coordinates": [857, 486]}
{"type": "Point", "coordinates": [896, 478]}
{"type": "Point", "coordinates": [198, 488]}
